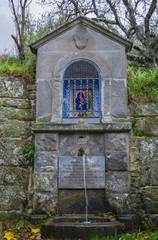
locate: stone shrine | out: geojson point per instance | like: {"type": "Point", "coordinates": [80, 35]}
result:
{"type": "Point", "coordinates": [81, 110]}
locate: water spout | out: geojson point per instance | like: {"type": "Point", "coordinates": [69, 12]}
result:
{"type": "Point", "coordinates": [85, 187]}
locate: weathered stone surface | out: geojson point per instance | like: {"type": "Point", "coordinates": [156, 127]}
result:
{"type": "Point", "coordinates": [16, 114]}
{"type": "Point", "coordinates": [73, 201]}
{"type": "Point", "coordinates": [134, 181]}
{"type": "Point", "coordinates": [143, 110]}
{"type": "Point", "coordinates": [56, 101]}
{"type": "Point", "coordinates": [148, 149]}
{"type": "Point", "coordinates": [150, 127]}
{"type": "Point", "coordinates": [73, 169]}
{"type": "Point", "coordinates": [8, 113]}
{"type": "Point", "coordinates": [14, 128]}
{"type": "Point", "coordinates": [118, 202]}
{"type": "Point", "coordinates": [10, 215]}
{"type": "Point", "coordinates": [106, 94]}
{"type": "Point", "coordinates": [149, 175]}
{"type": "Point", "coordinates": [154, 174]}
{"type": "Point", "coordinates": [46, 141]}
{"type": "Point", "coordinates": [45, 201]}
{"type": "Point", "coordinates": [116, 142]}
{"type": "Point", "coordinates": [19, 114]}
{"type": "Point", "coordinates": [12, 152]}
{"type": "Point", "coordinates": [45, 182]}
{"type": "Point", "coordinates": [12, 87]}
{"type": "Point", "coordinates": [92, 144]}
{"type": "Point", "coordinates": [16, 103]}
{"type": "Point", "coordinates": [11, 198]}
{"type": "Point", "coordinates": [26, 114]}
{"type": "Point", "coordinates": [46, 161]}
{"type": "Point", "coordinates": [118, 99]}
{"type": "Point", "coordinates": [149, 199]}
{"type": "Point", "coordinates": [112, 126]}
{"type": "Point", "coordinates": [134, 154]}
{"type": "Point", "coordinates": [44, 100]}
{"type": "Point", "coordinates": [16, 176]}
{"type": "Point", "coordinates": [117, 182]}
{"type": "Point", "coordinates": [116, 161]}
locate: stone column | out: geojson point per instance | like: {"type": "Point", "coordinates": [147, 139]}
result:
{"type": "Point", "coordinates": [45, 172]}
{"type": "Point", "coordinates": [117, 171]}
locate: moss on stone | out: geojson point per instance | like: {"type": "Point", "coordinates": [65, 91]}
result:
{"type": "Point", "coordinates": [15, 128]}
{"type": "Point", "coordinates": [12, 198]}
{"type": "Point", "coordinates": [134, 122]}
{"type": "Point", "coordinates": [150, 127]}
{"type": "Point", "coordinates": [14, 175]}
{"type": "Point", "coordinates": [26, 114]}
{"type": "Point", "coordinates": [139, 133]}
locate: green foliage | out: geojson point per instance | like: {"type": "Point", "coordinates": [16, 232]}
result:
{"type": "Point", "coordinates": [142, 84]}
{"type": "Point", "coordinates": [29, 153]}
{"type": "Point", "coordinates": [50, 214]}
{"type": "Point", "coordinates": [10, 65]}
{"type": "Point", "coordinates": [110, 237]}
{"type": "Point", "coordinates": [139, 132]}
{"type": "Point", "coordinates": [130, 236]}
{"type": "Point", "coordinates": [140, 236]}
{"type": "Point", "coordinates": [134, 122]}
{"type": "Point", "coordinates": [108, 213]}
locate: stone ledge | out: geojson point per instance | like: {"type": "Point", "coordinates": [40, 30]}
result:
{"type": "Point", "coordinates": [106, 127]}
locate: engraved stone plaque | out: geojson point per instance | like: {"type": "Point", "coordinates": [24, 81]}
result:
{"type": "Point", "coordinates": [71, 172]}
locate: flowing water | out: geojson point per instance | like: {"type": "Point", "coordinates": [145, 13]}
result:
{"type": "Point", "coordinates": [85, 187]}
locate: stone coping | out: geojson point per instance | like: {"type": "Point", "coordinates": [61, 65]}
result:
{"type": "Point", "coordinates": [103, 127]}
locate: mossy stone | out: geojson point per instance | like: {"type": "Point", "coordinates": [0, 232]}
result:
{"type": "Point", "coordinates": [15, 128]}
{"type": "Point", "coordinates": [12, 87]}
{"type": "Point", "coordinates": [149, 199]}
{"type": "Point", "coordinates": [16, 103]}
{"type": "Point", "coordinates": [12, 152]}
{"type": "Point", "coordinates": [142, 110]}
{"type": "Point", "coordinates": [16, 176]}
{"type": "Point", "coordinates": [26, 114]}
{"type": "Point", "coordinates": [150, 127]}
{"type": "Point", "coordinates": [8, 113]}
{"type": "Point", "coordinates": [12, 198]}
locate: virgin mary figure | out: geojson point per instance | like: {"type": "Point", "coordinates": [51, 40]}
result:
{"type": "Point", "coordinates": [80, 102]}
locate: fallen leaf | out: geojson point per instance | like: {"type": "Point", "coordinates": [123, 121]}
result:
{"type": "Point", "coordinates": [35, 230]}
{"type": "Point", "coordinates": [9, 236]}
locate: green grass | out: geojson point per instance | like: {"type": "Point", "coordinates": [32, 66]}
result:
{"type": "Point", "coordinates": [10, 66]}
{"type": "Point", "coordinates": [142, 85]}
{"type": "Point", "coordinates": [131, 236]}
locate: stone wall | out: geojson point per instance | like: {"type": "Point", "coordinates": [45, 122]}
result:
{"type": "Point", "coordinates": [144, 158]}
{"type": "Point", "coordinates": [17, 113]}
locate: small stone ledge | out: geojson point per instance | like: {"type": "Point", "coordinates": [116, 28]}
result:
{"type": "Point", "coordinates": [106, 127]}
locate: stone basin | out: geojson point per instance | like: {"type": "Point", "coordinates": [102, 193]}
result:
{"type": "Point", "coordinates": [72, 227]}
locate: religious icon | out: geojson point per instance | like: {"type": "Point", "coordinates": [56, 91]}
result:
{"type": "Point", "coordinates": [82, 103]}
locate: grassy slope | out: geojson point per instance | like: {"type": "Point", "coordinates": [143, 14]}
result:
{"type": "Point", "coordinates": [11, 66]}
{"type": "Point", "coordinates": [142, 85]}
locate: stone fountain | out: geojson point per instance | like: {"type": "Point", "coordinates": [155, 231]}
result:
{"type": "Point", "coordinates": [81, 110]}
